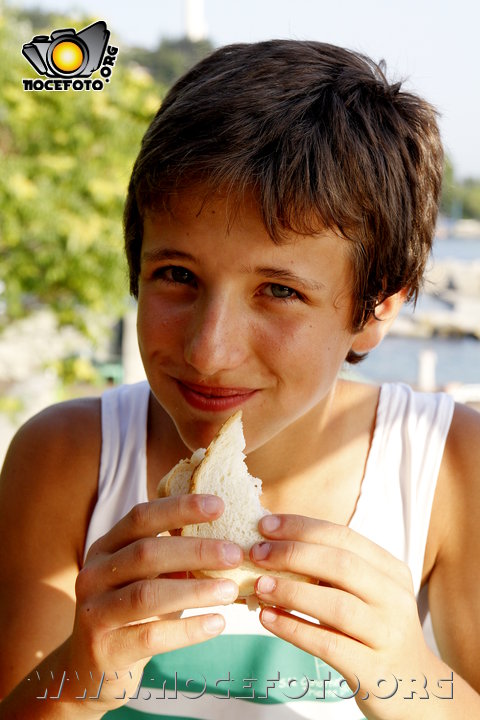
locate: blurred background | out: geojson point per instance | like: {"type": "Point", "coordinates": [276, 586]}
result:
{"type": "Point", "coordinates": [67, 325]}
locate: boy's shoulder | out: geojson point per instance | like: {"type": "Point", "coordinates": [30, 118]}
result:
{"type": "Point", "coordinates": [454, 526]}
{"type": "Point", "coordinates": [465, 422]}
{"type": "Point", "coordinates": [50, 473]}
{"type": "Point", "coordinates": [461, 463]}
{"type": "Point", "coordinates": [69, 429]}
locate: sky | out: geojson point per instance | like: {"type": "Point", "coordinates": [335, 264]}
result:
{"type": "Point", "coordinates": [434, 45]}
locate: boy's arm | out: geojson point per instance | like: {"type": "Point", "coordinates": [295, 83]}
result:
{"type": "Point", "coordinates": [364, 616]}
{"type": "Point", "coordinates": [47, 490]}
{"type": "Point", "coordinates": [454, 586]}
{"type": "Point", "coordinates": [98, 626]}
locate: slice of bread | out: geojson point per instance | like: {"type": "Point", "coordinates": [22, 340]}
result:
{"type": "Point", "coordinates": [177, 481]}
{"type": "Point", "coordinates": [221, 471]}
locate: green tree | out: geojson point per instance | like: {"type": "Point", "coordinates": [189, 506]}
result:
{"type": "Point", "coordinates": [449, 197]}
{"type": "Point", "coordinates": [171, 58]}
{"type": "Point", "coordinates": [66, 158]}
{"type": "Point", "coordinates": [459, 199]}
{"type": "Point", "coordinates": [470, 198]}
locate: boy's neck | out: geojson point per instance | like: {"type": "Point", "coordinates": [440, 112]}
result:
{"type": "Point", "coordinates": [318, 467]}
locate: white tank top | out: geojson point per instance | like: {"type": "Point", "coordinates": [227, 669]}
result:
{"type": "Point", "coordinates": [246, 664]}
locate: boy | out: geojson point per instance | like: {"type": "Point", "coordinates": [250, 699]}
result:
{"type": "Point", "coordinates": [280, 211]}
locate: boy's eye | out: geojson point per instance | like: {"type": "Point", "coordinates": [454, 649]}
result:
{"type": "Point", "coordinates": [175, 274]}
{"type": "Point", "coordinates": [281, 292]}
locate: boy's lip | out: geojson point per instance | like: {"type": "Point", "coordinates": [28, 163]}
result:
{"type": "Point", "coordinates": [217, 391]}
{"type": "Point", "coordinates": [214, 398]}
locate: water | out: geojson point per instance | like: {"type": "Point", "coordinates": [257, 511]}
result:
{"type": "Point", "coordinates": [456, 249]}
{"type": "Point", "coordinates": [397, 360]}
{"type": "Point", "coordinates": [457, 359]}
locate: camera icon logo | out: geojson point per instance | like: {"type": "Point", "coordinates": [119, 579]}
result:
{"type": "Point", "coordinates": [66, 53]}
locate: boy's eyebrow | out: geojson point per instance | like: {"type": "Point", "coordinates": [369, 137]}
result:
{"type": "Point", "coordinates": [165, 254]}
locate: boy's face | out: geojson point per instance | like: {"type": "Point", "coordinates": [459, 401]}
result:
{"type": "Point", "coordinates": [229, 320]}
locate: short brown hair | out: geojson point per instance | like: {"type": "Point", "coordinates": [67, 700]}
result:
{"type": "Point", "coordinates": [320, 137]}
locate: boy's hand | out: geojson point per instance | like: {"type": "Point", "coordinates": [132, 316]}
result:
{"type": "Point", "coordinates": [364, 618]}
{"type": "Point", "coordinates": [130, 596]}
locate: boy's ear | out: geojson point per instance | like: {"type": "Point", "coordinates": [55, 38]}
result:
{"type": "Point", "coordinates": [378, 325]}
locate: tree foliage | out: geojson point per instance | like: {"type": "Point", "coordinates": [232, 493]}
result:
{"type": "Point", "coordinates": [469, 199]}
{"type": "Point", "coordinates": [171, 58]}
{"type": "Point", "coordinates": [459, 199]}
{"type": "Point", "coordinates": [66, 158]}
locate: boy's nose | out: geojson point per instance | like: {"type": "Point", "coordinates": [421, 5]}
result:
{"type": "Point", "coordinates": [216, 339]}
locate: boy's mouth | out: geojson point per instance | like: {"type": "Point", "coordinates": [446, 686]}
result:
{"type": "Point", "coordinates": [203, 397]}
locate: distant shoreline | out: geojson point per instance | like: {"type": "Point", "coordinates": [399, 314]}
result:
{"type": "Point", "coordinates": [463, 228]}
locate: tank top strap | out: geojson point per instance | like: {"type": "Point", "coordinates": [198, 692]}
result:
{"type": "Point", "coordinates": [122, 481]}
{"type": "Point", "coordinates": [401, 473]}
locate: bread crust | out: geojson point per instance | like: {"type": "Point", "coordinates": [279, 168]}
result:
{"type": "Point", "coordinates": [223, 430]}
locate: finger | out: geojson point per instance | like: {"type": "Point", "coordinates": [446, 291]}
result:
{"type": "Point", "coordinates": [153, 556]}
{"type": "Point", "coordinates": [126, 645]}
{"type": "Point", "coordinates": [157, 516]}
{"type": "Point", "coordinates": [143, 600]}
{"type": "Point", "coordinates": [332, 535]}
{"type": "Point", "coordinates": [340, 568]}
{"type": "Point", "coordinates": [335, 608]}
{"type": "Point", "coordinates": [347, 656]}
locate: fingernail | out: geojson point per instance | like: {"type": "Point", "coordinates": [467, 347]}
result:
{"type": "Point", "coordinates": [266, 584]}
{"type": "Point", "coordinates": [211, 504]}
{"type": "Point", "coordinates": [232, 553]}
{"type": "Point", "coordinates": [227, 590]}
{"type": "Point", "coordinates": [213, 624]}
{"type": "Point", "coordinates": [268, 616]}
{"type": "Point", "coordinates": [270, 523]}
{"type": "Point", "coordinates": [261, 550]}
